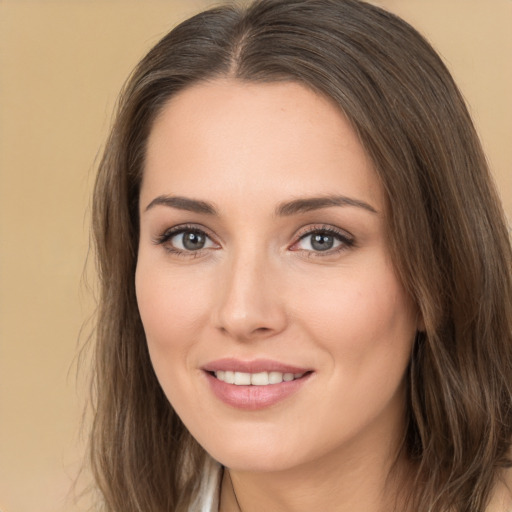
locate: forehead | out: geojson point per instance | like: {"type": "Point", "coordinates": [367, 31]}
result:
{"type": "Point", "coordinates": [274, 140]}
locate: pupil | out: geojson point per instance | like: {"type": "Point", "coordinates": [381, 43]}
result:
{"type": "Point", "coordinates": [322, 242]}
{"type": "Point", "coordinates": [193, 241]}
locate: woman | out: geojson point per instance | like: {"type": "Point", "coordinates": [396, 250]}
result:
{"type": "Point", "coordinates": [306, 287]}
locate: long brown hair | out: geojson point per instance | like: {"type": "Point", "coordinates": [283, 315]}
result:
{"type": "Point", "coordinates": [447, 232]}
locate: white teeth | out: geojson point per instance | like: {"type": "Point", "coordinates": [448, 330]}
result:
{"type": "Point", "coordinates": [242, 379]}
{"type": "Point", "coordinates": [275, 377]}
{"type": "Point", "coordinates": [256, 379]}
{"type": "Point", "coordinates": [259, 379]}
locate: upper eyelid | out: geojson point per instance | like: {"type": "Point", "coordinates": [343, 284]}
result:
{"type": "Point", "coordinates": [319, 228]}
{"type": "Point", "coordinates": [180, 228]}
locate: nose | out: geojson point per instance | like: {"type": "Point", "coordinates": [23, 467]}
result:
{"type": "Point", "coordinates": [251, 302]}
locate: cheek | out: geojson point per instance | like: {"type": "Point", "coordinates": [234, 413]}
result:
{"type": "Point", "coordinates": [364, 323]}
{"type": "Point", "coordinates": [173, 313]}
{"type": "Point", "coordinates": [363, 319]}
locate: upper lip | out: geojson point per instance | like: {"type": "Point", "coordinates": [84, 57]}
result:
{"type": "Point", "coordinates": [254, 366]}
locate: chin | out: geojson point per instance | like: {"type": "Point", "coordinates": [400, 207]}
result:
{"type": "Point", "coordinates": [259, 453]}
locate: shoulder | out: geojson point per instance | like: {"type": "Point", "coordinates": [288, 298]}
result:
{"type": "Point", "coordinates": [501, 498]}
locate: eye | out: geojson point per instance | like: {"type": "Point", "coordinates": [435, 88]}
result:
{"type": "Point", "coordinates": [183, 239]}
{"type": "Point", "coordinates": [323, 240]}
{"type": "Point", "coordinates": [190, 241]}
{"type": "Point", "coordinates": [318, 242]}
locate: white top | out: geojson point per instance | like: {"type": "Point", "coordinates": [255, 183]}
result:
{"type": "Point", "coordinates": [207, 498]}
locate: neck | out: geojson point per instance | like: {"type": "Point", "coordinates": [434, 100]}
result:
{"type": "Point", "coordinates": [338, 482]}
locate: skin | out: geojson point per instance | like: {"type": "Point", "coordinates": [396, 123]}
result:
{"type": "Point", "coordinates": [259, 289]}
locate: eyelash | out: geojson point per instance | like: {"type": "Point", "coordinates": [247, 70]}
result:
{"type": "Point", "coordinates": [177, 230]}
{"type": "Point", "coordinates": [346, 240]}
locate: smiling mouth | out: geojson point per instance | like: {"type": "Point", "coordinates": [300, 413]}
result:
{"type": "Point", "coordinates": [256, 379]}
{"type": "Point", "coordinates": [254, 385]}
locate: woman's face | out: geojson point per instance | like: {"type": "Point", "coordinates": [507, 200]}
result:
{"type": "Point", "coordinates": [264, 251]}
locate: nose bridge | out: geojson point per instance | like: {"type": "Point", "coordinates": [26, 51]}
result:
{"type": "Point", "coordinates": [249, 304]}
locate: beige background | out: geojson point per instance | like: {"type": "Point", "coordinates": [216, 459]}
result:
{"type": "Point", "coordinates": [61, 66]}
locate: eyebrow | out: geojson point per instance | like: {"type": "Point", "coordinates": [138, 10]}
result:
{"type": "Point", "coordinates": [183, 203]}
{"type": "Point", "coordinates": [294, 207]}
{"type": "Point", "coordinates": [316, 203]}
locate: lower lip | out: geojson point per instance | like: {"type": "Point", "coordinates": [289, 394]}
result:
{"type": "Point", "coordinates": [252, 398]}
